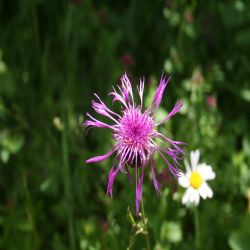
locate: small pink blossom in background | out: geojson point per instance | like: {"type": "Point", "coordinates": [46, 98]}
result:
{"type": "Point", "coordinates": [211, 101]}
{"type": "Point", "coordinates": [105, 226]}
{"type": "Point", "coordinates": [103, 15]}
{"type": "Point", "coordinates": [197, 77]}
{"type": "Point", "coordinates": [127, 59]}
{"type": "Point", "coordinates": [188, 16]}
{"type": "Point", "coordinates": [10, 203]}
{"type": "Point", "coordinates": [169, 3]}
{"type": "Point", "coordinates": [77, 2]}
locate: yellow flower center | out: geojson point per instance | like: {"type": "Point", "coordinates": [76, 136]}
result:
{"type": "Point", "coordinates": [195, 180]}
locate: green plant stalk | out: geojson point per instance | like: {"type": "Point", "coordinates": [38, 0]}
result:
{"type": "Point", "coordinates": [67, 185]}
{"type": "Point", "coordinates": [30, 212]}
{"type": "Point", "coordinates": [132, 233]}
{"type": "Point", "coordinates": [145, 226]}
{"type": "Point", "coordinates": [197, 228]}
{"type": "Point", "coordinates": [131, 241]}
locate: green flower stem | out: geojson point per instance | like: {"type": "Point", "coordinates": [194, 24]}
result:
{"type": "Point", "coordinates": [67, 184]}
{"type": "Point", "coordinates": [145, 226]}
{"type": "Point", "coordinates": [197, 228]}
{"type": "Point", "coordinates": [131, 241]}
{"type": "Point", "coordinates": [30, 212]}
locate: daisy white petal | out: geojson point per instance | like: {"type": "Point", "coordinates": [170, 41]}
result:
{"type": "Point", "coordinates": [195, 180]}
{"type": "Point", "coordinates": [183, 180]}
{"type": "Point", "coordinates": [205, 191]}
{"type": "Point", "coordinates": [194, 157]}
{"type": "Point", "coordinates": [194, 196]}
{"type": "Point", "coordinates": [196, 199]}
{"type": "Point", "coordinates": [187, 165]}
{"type": "Point", "coordinates": [186, 196]}
{"type": "Point", "coordinates": [206, 172]}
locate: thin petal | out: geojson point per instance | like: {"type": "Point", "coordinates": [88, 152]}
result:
{"type": "Point", "coordinates": [139, 190]}
{"type": "Point", "coordinates": [111, 179]}
{"type": "Point", "coordinates": [187, 166]}
{"type": "Point", "coordinates": [175, 110]}
{"type": "Point", "coordinates": [175, 152]}
{"type": "Point", "coordinates": [206, 172]}
{"type": "Point", "coordinates": [186, 196]}
{"type": "Point", "coordinates": [205, 191]}
{"type": "Point", "coordinates": [96, 123]}
{"type": "Point", "coordinates": [159, 92]}
{"type": "Point", "coordinates": [141, 90]}
{"type": "Point", "coordinates": [127, 88]}
{"type": "Point", "coordinates": [194, 158]}
{"type": "Point", "coordinates": [102, 109]}
{"type": "Point", "coordinates": [183, 180]}
{"type": "Point", "coordinates": [105, 107]}
{"type": "Point", "coordinates": [100, 158]}
{"type": "Point", "coordinates": [155, 182]}
{"type": "Point", "coordinates": [173, 168]}
{"type": "Point", "coordinates": [118, 97]}
{"type": "Point", "coordinates": [194, 196]}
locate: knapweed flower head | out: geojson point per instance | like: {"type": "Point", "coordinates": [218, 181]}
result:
{"type": "Point", "coordinates": [136, 136]}
{"type": "Point", "coordinates": [194, 180]}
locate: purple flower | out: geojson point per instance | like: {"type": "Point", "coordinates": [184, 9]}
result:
{"type": "Point", "coordinates": [136, 138]}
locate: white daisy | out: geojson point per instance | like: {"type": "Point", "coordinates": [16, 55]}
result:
{"type": "Point", "coordinates": [194, 180]}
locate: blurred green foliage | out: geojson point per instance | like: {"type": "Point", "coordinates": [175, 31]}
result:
{"type": "Point", "coordinates": [55, 54]}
